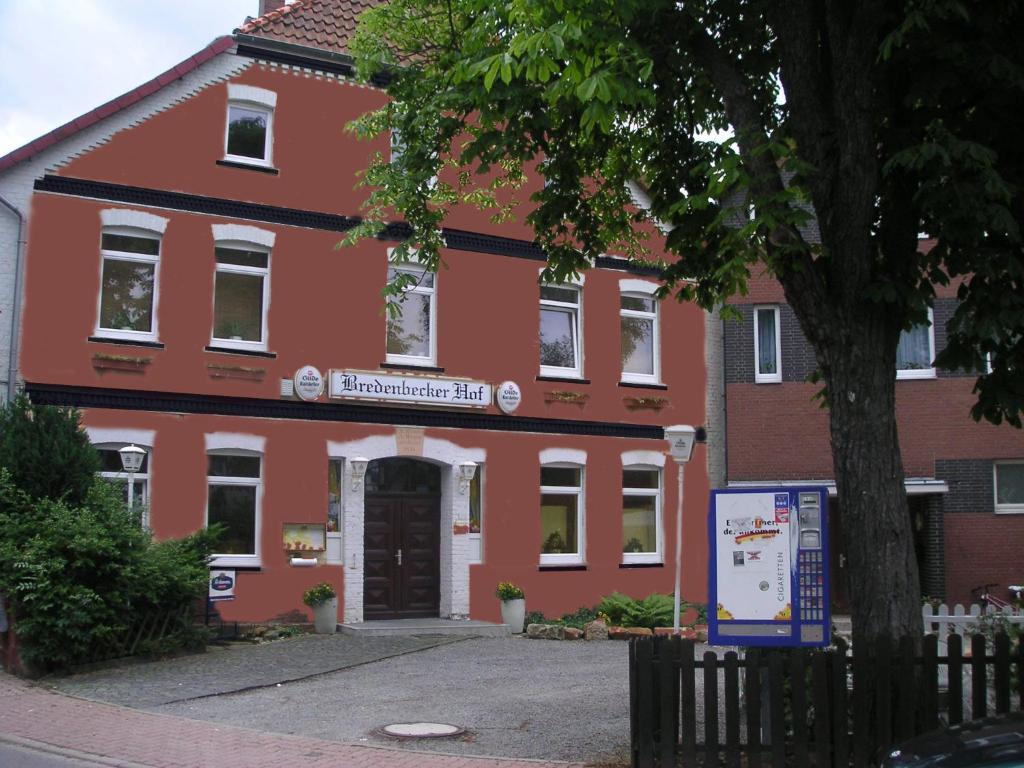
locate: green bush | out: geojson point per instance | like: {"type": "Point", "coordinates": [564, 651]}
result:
{"type": "Point", "coordinates": [653, 611]}
{"type": "Point", "coordinates": [77, 577]}
{"type": "Point", "coordinates": [46, 452]}
{"type": "Point", "coordinates": [535, 617]}
{"type": "Point", "coordinates": [617, 606]}
{"type": "Point", "coordinates": [579, 618]}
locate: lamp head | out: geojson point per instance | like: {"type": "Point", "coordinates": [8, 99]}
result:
{"type": "Point", "coordinates": [681, 438]}
{"type": "Point", "coordinates": [131, 458]}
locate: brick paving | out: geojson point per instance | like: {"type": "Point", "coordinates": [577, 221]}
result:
{"type": "Point", "coordinates": [31, 713]}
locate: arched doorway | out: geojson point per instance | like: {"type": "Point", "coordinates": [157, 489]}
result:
{"type": "Point", "coordinates": [401, 539]}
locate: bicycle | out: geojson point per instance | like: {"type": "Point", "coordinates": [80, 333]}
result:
{"type": "Point", "coordinates": [984, 596]}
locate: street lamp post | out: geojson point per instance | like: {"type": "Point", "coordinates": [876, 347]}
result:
{"type": "Point", "coordinates": [680, 445]}
{"type": "Point", "coordinates": [131, 460]}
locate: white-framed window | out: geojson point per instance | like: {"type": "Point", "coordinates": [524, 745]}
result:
{"type": "Point", "coordinates": [1008, 479]}
{"type": "Point", "coordinates": [411, 334]}
{"type": "Point", "coordinates": [476, 515]}
{"type": "Point", "coordinates": [135, 493]}
{"type": "Point", "coordinates": [561, 351]}
{"type": "Point", "coordinates": [241, 295]}
{"type": "Point", "coordinates": [916, 352]}
{"type": "Point", "coordinates": [561, 514]}
{"type": "Point", "coordinates": [767, 345]}
{"type": "Point", "coordinates": [249, 137]}
{"type": "Point", "coordinates": [335, 486]}
{"type": "Point", "coordinates": [640, 332]}
{"type": "Point", "coordinates": [641, 515]}
{"type": "Point", "coordinates": [129, 287]}
{"type": "Point", "coordinates": [234, 498]}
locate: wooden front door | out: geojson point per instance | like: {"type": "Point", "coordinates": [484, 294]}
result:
{"type": "Point", "coordinates": [401, 561]}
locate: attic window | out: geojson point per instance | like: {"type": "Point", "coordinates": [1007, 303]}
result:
{"type": "Point", "coordinates": [249, 135]}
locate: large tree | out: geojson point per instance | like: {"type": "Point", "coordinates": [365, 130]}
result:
{"type": "Point", "coordinates": [879, 120]}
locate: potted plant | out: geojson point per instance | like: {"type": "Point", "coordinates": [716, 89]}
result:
{"type": "Point", "coordinates": [513, 605]}
{"type": "Point", "coordinates": [554, 544]}
{"type": "Point", "coordinates": [231, 329]}
{"type": "Point", "coordinates": [324, 601]}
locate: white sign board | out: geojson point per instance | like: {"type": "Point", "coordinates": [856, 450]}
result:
{"type": "Point", "coordinates": [309, 383]}
{"type": "Point", "coordinates": [753, 563]}
{"type": "Point", "coordinates": [222, 585]}
{"type": "Point", "coordinates": [402, 388]}
{"type": "Point", "coordinates": [508, 396]}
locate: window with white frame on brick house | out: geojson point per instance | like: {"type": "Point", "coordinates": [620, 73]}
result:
{"type": "Point", "coordinates": [249, 137]}
{"type": "Point", "coordinates": [476, 515]}
{"type": "Point", "coordinates": [641, 515]}
{"type": "Point", "coordinates": [234, 497]}
{"type": "Point", "coordinates": [411, 325]}
{"type": "Point", "coordinates": [1008, 477]}
{"type": "Point", "coordinates": [560, 325]}
{"type": "Point", "coordinates": [767, 345]}
{"type": "Point", "coordinates": [640, 338]}
{"type": "Point", "coordinates": [129, 284]}
{"type": "Point", "coordinates": [916, 351]}
{"type": "Point", "coordinates": [241, 296]}
{"type": "Point", "coordinates": [135, 493]}
{"type": "Point", "coordinates": [561, 514]}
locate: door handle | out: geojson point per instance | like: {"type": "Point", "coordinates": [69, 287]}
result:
{"type": "Point", "coordinates": [398, 556]}
{"type": "Point", "coordinates": [842, 561]}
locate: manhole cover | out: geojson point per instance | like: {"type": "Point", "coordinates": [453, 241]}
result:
{"type": "Point", "coordinates": [421, 730]}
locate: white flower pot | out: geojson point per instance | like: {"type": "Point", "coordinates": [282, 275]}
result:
{"type": "Point", "coordinates": [325, 617]}
{"type": "Point", "coordinates": [513, 613]}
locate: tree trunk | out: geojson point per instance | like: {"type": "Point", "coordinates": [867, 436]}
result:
{"type": "Point", "coordinates": [861, 381]}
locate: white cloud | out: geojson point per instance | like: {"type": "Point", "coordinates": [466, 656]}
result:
{"type": "Point", "coordinates": [61, 58]}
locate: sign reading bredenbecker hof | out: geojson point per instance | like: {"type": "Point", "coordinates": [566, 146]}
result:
{"type": "Point", "coordinates": [309, 383]}
{"type": "Point", "coordinates": [400, 388]}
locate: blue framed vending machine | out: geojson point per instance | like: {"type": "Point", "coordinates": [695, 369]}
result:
{"type": "Point", "coordinates": [769, 578]}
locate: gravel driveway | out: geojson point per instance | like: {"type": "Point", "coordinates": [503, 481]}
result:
{"type": "Point", "coordinates": [516, 697]}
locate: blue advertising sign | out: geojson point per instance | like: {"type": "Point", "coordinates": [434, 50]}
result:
{"type": "Point", "coordinates": [768, 567]}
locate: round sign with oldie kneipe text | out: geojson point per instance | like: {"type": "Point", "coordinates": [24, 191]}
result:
{"type": "Point", "coordinates": [309, 383]}
{"type": "Point", "coordinates": [508, 396]}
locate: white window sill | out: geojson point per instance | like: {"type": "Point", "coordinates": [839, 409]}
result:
{"type": "Point", "coordinates": [561, 373]}
{"type": "Point", "coordinates": [235, 561]}
{"type": "Point", "coordinates": [125, 335]}
{"type": "Point", "coordinates": [635, 558]}
{"type": "Point", "coordinates": [247, 346]}
{"type": "Point", "coordinates": [1010, 509]}
{"type": "Point", "coordinates": [915, 373]}
{"type": "Point", "coordinates": [566, 559]}
{"type": "Point", "coordinates": [242, 160]}
{"type": "Point", "coordinates": [650, 381]}
{"type": "Point", "coordinates": [773, 379]}
{"type": "Point", "coordinates": [412, 362]}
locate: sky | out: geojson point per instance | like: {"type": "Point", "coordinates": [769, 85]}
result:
{"type": "Point", "coordinates": [61, 58]}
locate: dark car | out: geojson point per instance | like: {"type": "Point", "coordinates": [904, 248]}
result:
{"type": "Point", "coordinates": [996, 742]}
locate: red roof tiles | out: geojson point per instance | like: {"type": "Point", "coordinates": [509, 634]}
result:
{"type": "Point", "coordinates": [324, 24]}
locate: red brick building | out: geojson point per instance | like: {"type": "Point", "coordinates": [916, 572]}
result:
{"type": "Point", "coordinates": [963, 479]}
{"type": "Point", "coordinates": [180, 273]}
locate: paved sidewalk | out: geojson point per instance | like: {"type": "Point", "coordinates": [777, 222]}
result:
{"type": "Point", "coordinates": [131, 737]}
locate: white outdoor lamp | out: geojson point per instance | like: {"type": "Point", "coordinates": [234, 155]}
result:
{"type": "Point", "coordinates": [131, 460]}
{"type": "Point", "coordinates": [466, 471]}
{"type": "Point", "coordinates": [359, 464]}
{"type": "Point", "coordinates": [681, 438]}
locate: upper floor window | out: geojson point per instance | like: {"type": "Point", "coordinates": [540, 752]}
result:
{"type": "Point", "coordinates": [234, 483]}
{"type": "Point", "coordinates": [767, 345]}
{"type": "Point", "coordinates": [134, 493]}
{"type": "Point", "coordinates": [638, 323]}
{"type": "Point", "coordinates": [561, 515]}
{"type": "Point", "coordinates": [560, 315]}
{"type": "Point", "coordinates": [249, 137]}
{"type": "Point", "coordinates": [411, 335]}
{"type": "Point", "coordinates": [241, 295]}
{"type": "Point", "coordinates": [1009, 486]}
{"type": "Point", "coordinates": [128, 289]}
{"type": "Point", "coordinates": [641, 515]}
{"type": "Point", "coordinates": [916, 351]}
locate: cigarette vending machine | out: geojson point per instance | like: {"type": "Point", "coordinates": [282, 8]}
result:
{"type": "Point", "coordinates": [769, 579]}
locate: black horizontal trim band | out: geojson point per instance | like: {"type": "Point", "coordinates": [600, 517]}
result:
{"type": "Point", "coordinates": [561, 568]}
{"type": "Point", "coordinates": [127, 342]}
{"type": "Point", "coordinates": [279, 55]}
{"type": "Point", "coordinates": [411, 367]}
{"type": "Point", "coordinates": [220, 405]}
{"type": "Point", "coordinates": [563, 379]}
{"type": "Point", "coordinates": [249, 167]}
{"type": "Point", "coordinates": [638, 385]}
{"type": "Point", "coordinates": [641, 565]}
{"type": "Point", "coordinates": [456, 239]}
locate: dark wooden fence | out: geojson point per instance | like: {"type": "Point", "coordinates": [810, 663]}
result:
{"type": "Point", "coordinates": [803, 707]}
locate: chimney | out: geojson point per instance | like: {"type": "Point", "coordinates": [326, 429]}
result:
{"type": "Point", "coordinates": [266, 6]}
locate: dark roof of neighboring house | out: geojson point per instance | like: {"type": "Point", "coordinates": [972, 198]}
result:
{"type": "Point", "coordinates": [113, 106]}
{"type": "Point", "coordinates": [324, 24]}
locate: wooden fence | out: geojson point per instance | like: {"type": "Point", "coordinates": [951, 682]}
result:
{"type": "Point", "coordinates": [803, 707]}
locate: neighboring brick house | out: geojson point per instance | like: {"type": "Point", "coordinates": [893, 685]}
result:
{"type": "Point", "coordinates": [180, 270]}
{"type": "Point", "coordinates": [776, 432]}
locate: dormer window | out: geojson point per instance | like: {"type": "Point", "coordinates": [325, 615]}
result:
{"type": "Point", "coordinates": [249, 137]}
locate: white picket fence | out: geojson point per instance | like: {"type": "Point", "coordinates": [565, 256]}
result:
{"type": "Point", "coordinates": [962, 621]}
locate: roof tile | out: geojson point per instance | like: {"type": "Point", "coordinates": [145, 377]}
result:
{"type": "Point", "coordinates": [324, 24]}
